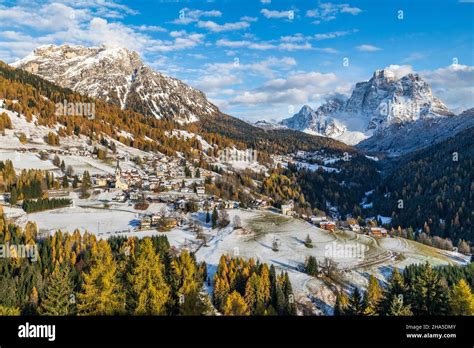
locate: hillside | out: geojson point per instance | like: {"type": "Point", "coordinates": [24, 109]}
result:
{"type": "Point", "coordinates": [436, 185]}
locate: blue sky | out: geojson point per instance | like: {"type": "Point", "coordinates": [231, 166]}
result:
{"type": "Point", "coordinates": [264, 59]}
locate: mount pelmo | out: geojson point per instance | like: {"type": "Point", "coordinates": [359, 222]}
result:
{"type": "Point", "coordinates": [373, 106]}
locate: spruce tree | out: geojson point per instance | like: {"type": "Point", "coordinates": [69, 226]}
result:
{"type": "Point", "coordinates": [215, 216]}
{"type": "Point", "coordinates": [59, 298]}
{"type": "Point", "coordinates": [290, 297]}
{"type": "Point", "coordinates": [356, 306]}
{"type": "Point", "coordinates": [427, 292]}
{"type": "Point", "coordinates": [397, 307]}
{"type": "Point", "coordinates": [396, 287]}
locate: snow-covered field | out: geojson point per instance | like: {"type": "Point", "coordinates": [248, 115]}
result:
{"type": "Point", "coordinates": [357, 256]}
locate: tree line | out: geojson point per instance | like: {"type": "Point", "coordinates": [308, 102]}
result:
{"type": "Point", "coordinates": [34, 205]}
{"type": "Point", "coordinates": [246, 287]}
{"type": "Point", "coordinates": [419, 290]}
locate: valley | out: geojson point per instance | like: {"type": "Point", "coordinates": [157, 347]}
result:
{"type": "Point", "coordinates": [215, 186]}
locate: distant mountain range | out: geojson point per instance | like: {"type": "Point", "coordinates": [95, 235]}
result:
{"type": "Point", "coordinates": [382, 115]}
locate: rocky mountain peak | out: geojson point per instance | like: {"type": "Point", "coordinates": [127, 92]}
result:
{"type": "Point", "coordinates": [119, 76]}
{"type": "Point", "coordinates": [374, 105]}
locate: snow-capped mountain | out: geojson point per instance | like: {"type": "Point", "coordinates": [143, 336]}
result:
{"type": "Point", "coordinates": [317, 121]}
{"type": "Point", "coordinates": [399, 139]}
{"type": "Point", "coordinates": [268, 125]}
{"type": "Point", "coordinates": [119, 76]}
{"type": "Point", "coordinates": [374, 105]}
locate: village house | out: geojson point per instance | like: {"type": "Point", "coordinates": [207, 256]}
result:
{"type": "Point", "coordinates": [378, 231]}
{"type": "Point", "coordinates": [145, 223]}
{"type": "Point", "coordinates": [328, 225]}
{"type": "Point", "coordinates": [287, 209]}
{"type": "Point", "coordinates": [100, 181]}
{"type": "Point", "coordinates": [200, 190]}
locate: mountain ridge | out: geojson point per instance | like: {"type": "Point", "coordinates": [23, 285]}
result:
{"type": "Point", "coordinates": [374, 105]}
{"type": "Point", "coordinates": [118, 76]}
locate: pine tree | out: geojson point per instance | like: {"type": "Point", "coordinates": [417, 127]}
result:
{"type": "Point", "coordinates": [312, 266]}
{"type": "Point", "coordinates": [308, 242]}
{"type": "Point", "coordinates": [397, 307]}
{"type": "Point", "coordinates": [215, 216]}
{"type": "Point", "coordinates": [149, 290]}
{"type": "Point", "coordinates": [356, 306]}
{"type": "Point", "coordinates": [102, 293]}
{"type": "Point", "coordinates": [14, 196]}
{"type": "Point", "coordinates": [290, 297]}
{"type": "Point", "coordinates": [427, 293]}
{"type": "Point", "coordinates": [395, 288]}
{"type": "Point", "coordinates": [86, 184]}
{"type": "Point", "coordinates": [235, 305]}
{"type": "Point", "coordinates": [461, 299]}
{"type": "Point", "coordinates": [59, 298]}
{"type": "Point", "coordinates": [280, 303]}
{"type": "Point", "coordinates": [208, 217]}
{"type": "Point", "coordinates": [75, 182]}
{"type": "Point", "coordinates": [65, 182]}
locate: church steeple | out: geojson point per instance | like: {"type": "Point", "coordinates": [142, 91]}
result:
{"type": "Point", "coordinates": [118, 172]}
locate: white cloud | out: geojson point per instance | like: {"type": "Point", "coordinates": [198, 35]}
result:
{"type": "Point", "coordinates": [287, 44]}
{"type": "Point", "coordinates": [400, 70]}
{"type": "Point", "coordinates": [294, 38]}
{"type": "Point", "coordinates": [244, 43]}
{"type": "Point", "coordinates": [368, 48]}
{"type": "Point", "coordinates": [150, 28]}
{"type": "Point", "coordinates": [103, 8]}
{"type": "Point", "coordinates": [186, 15]}
{"type": "Point", "coordinates": [217, 28]}
{"type": "Point", "coordinates": [453, 85]}
{"type": "Point", "coordinates": [297, 88]}
{"type": "Point", "coordinates": [249, 19]}
{"type": "Point", "coordinates": [213, 83]}
{"type": "Point", "coordinates": [277, 14]}
{"type": "Point", "coordinates": [326, 12]}
{"type": "Point", "coordinates": [333, 34]}
{"type": "Point", "coordinates": [352, 10]}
